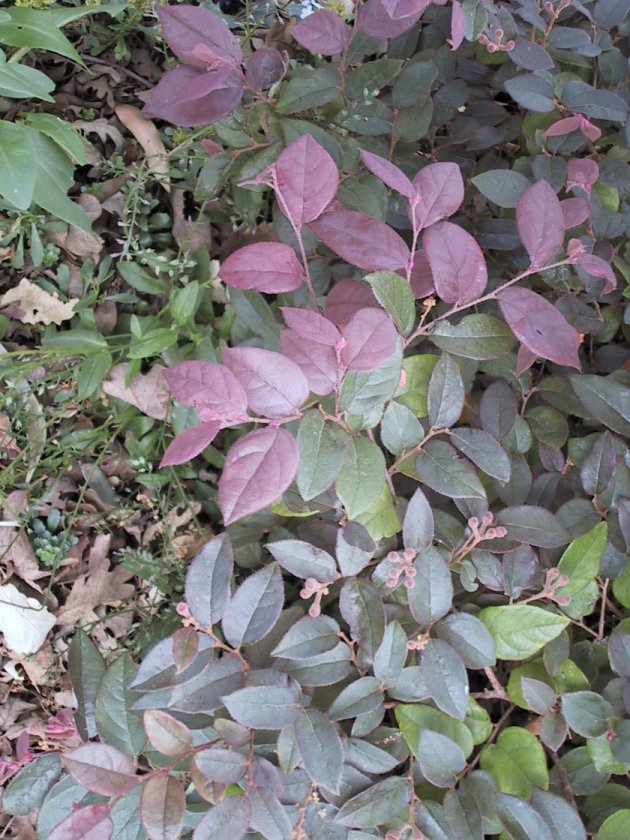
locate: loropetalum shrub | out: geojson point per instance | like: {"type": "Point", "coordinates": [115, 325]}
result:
{"type": "Point", "coordinates": [412, 624]}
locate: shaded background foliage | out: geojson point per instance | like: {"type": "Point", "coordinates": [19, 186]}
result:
{"type": "Point", "coordinates": [412, 623]}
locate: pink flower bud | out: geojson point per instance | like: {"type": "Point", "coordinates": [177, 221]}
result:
{"type": "Point", "coordinates": [409, 583]}
{"type": "Point", "coordinates": [487, 518]}
{"type": "Point", "coordinates": [182, 609]}
{"type": "Point", "coordinates": [473, 522]}
{"type": "Point", "coordinates": [410, 553]}
{"type": "Point", "coordinates": [410, 573]}
{"type": "Point", "coordinates": [314, 610]}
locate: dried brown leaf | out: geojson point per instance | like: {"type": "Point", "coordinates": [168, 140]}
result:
{"type": "Point", "coordinates": [37, 305]}
{"type": "Point", "coordinates": [148, 136]}
{"type": "Point", "coordinates": [147, 392]}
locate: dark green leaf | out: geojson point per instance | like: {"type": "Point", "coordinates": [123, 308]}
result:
{"type": "Point", "coordinates": [26, 791]}
{"type": "Point", "coordinates": [322, 446]}
{"type": "Point", "coordinates": [361, 606]}
{"type": "Point", "coordinates": [87, 669]}
{"type": "Point", "coordinates": [382, 803]}
{"type": "Point", "coordinates": [219, 765]}
{"type": "Point", "coordinates": [308, 637]}
{"type": "Point", "coordinates": [394, 294]}
{"type": "Point", "coordinates": [561, 819]}
{"type": "Point", "coordinates": [208, 581]}
{"type": "Point", "coordinates": [360, 697]}
{"type": "Point", "coordinates": [445, 399]}
{"type": "Point", "coordinates": [308, 88]}
{"type": "Point", "coordinates": [268, 815]}
{"type": "Point", "coordinates": [469, 637]}
{"type": "Point", "coordinates": [586, 713]}
{"type": "Point", "coordinates": [484, 451]}
{"type": "Point", "coordinates": [304, 560]}
{"type": "Point", "coordinates": [228, 820]}
{"type": "Point", "coordinates": [474, 337]}
{"type": "Point", "coordinates": [502, 186]}
{"type": "Point", "coordinates": [432, 594]}
{"type": "Point", "coordinates": [320, 748]}
{"type": "Point", "coordinates": [443, 671]}
{"type": "Point", "coordinates": [606, 399]}
{"type": "Point", "coordinates": [520, 819]}
{"type": "Point", "coordinates": [263, 707]}
{"type": "Point", "coordinates": [117, 724]}
{"type": "Point", "coordinates": [440, 759]}
{"type": "Point", "coordinates": [255, 607]}
{"type": "Point", "coordinates": [418, 527]}
{"type": "Point", "coordinates": [361, 477]}
{"type": "Point", "coordinates": [400, 429]}
{"type": "Point", "coordinates": [532, 525]}
{"type": "Point", "coordinates": [440, 467]}
{"type": "Point", "coordinates": [391, 654]}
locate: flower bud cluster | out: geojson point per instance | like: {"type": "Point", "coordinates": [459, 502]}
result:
{"type": "Point", "coordinates": [404, 568]}
{"type": "Point", "coordinates": [495, 44]}
{"type": "Point", "coordinates": [314, 587]}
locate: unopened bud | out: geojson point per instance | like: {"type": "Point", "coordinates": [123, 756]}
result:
{"type": "Point", "coordinates": [410, 553]}
{"type": "Point", "coordinates": [487, 518]}
{"type": "Point", "coordinates": [409, 583]}
{"type": "Point", "coordinates": [182, 609]}
{"type": "Point", "coordinates": [314, 610]}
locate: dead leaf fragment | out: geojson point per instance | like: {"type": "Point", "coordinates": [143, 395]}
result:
{"type": "Point", "coordinates": [149, 138]}
{"type": "Point", "coordinates": [148, 392]}
{"type": "Point", "coordinates": [37, 305]}
{"type": "Point", "coordinates": [24, 622]}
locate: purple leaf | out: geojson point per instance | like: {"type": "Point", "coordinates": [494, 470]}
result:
{"type": "Point", "coordinates": [540, 223]}
{"type": "Point", "coordinates": [91, 823]}
{"type": "Point", "coordinates": [228, 820]}
{"type": "Point", "coordinates": [204, 83]}
{"type": "Point", "coordinates": [524, 360]}
{"type": "Point", "coordinates": [458, 25]}
{"type": "Point", "coordinates": [318, 362]}
{"type": "Point", "coordinates": [564, 126]}
{"type": "Point", "coordinates": [597, 267]}
{"type": "Point", "coordinates": [102, 769]}
{"type": "Point", "coordinates": [167, 101]}
{"type": "Point", "coordinates": [575, 211]}
{"type": "Point", "coordinates": [440, 188]}
{"type": "Point", "coordinates": [264, 68]}
{"type": "Point", "coordinates": [268, 267]}
{"type": "Point", "coordinates": [346, 298]}
{"type": "Point", "coordinates": [398, 9]}
{"type": "Point", "coordinates": [583, 173]}
{"type": "Point", "coordinates": [306, 180]}
{"type": "Point", "coordinates": [457, 264]}
{"type": "Point", "coordinates": [388, 173]}
{"type": "Point", "coordinates": [374, 19]}
{"type": "Point", "coordinates": [212, 389]}
{"type": "Point", "coordinates": [370, 337]}
{"type": "Point", "coordinates": [311, 325]}
{"type": "Point", "coordinates": [186, 27]}
{"type": "Point", "coordinates": [422, 284]}
{"type": "Point", "coordinates": [361, 240]}
{"type": "Point", "coordinates": [190, 443]}
{"type": "Point", "coordinates": [258, 469]}
{"type": "Point", "coordinates": [539, 326]}
{"type": "Point", "coordinates": [323, 33]}
{"type": "Point", "coordinates": [275, 386]}
{"type": "Point", "coordinates": [162, 807]}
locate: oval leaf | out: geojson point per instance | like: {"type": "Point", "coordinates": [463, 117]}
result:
{"type": "Point", "coordinates": [102, 769]}
{"type": "Point", "coordinates": [540, 223]}
{"type": "Point", "coordinates": [91, 823]}
{"type": "Point", "coordinates": [162, 807]}
{"type": "Point", "coordinates": [440, 189]}
{"type": "Point", "coordinates": [269, 267]}
{"type": "Point", "coordinates": [457, 264]}
{"type": "Point", "coordinates": [306, 177]}
{"type": "Point", "coordinates": [361, 240]}
{"type": "Point", "coordinates": [255, 607]}
{"type": "Point", "coordinates": [275, 386]}
{"type": "Point", "coordinates": [208, 581]}
{"type": "Point", "coordinates": [520, 630]}
{"type": "Point", "coordinates": [370, 339]}
{"type": "Point", "coordinates": [322, 33]}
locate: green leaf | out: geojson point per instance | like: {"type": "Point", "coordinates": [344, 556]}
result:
{"type": "Point", "coordinates": [362, 476]}
{"type": "Point", "coordinates": [606, 399]}
{"type": "Point", "coordinates": [75, 341]}
{"type": "Point", "coordinates": [586, 713]}
{"type": "Point", "coordinates": [381, 803]}
{"type": "Point", "coordinates": [561, 818]}
{"type": "Point", "coordinates": [91, 373]}
{"type": "Point", "coordinates": [322, 446]}
{"type": "Point", "coordinates": [474, 337]}
{"type": "Point", "coordinates": [517, 762]}
{"type": "Point", "coordinates": [53, 179]}
{"type": "Point", "coordinates": [484, 450]}
{"type": "Point", "coordinates": [440, 759]}
{"type": "Point", "coordinates": [18, 173]}
{"type": "Point", "coordinates": [87, 669]}
{"type": "Point", "coordinates": [391, 654]}
{"type": "Point", "coordinates": [532, 525]}
{"type": "Point", "coordinates": [445, 400]}
{"type": "Point", "coordinates": [308, 88]}
{"type": "Point", "coordinates": [581, 562]}
{"type": "Point", "coordinates": [360, 697]}
{"type": "Point", "coordinates": [502, 186]}
{"type": "Point", "coordinates": [415, 391]}
{"type": "Point", "coordinates": [614, 827]}
{"type": "Point", "coordinates": [520, 630]}
{"type": "Point", "coordinates": [444, 673]}
{"type": "Point", "coordinates": [371, 75]}
{"type": "Point", "coordinates": [520, 820]}
{"type": "Point", "coordinates": [63, 133]}
{"type": "Point", "coordinates": [26, 791]}
{"type": "Point", "coordinates": [431, 596]}
{"type": "Point", "coordinates": [365, 393]}
{"type": "Point", "coordinates": [381, 519]}
{"type": "Point", "coordinates": [362, 608]}
{"type": "Point", "coordinates": [415, 718]}
{"type": "Point", "coordinates": [394, 294]}
{"type": "Point", "coordinates": [469, 637]}
{"type": "Point", "coordinates": [400, 429]}
{"type": "Point", "coordinates": [320, 748]}
{"type": "Point", "coordinates": [478, 721]}
{"type": "Point", "coordinates": [440, 467]}
{"type": "Point", "coordinates": [603, 758]}
{"type": "Point", "coordinates": [621, 586]}
{"type": "Point", "coordinates": [36, 29]}
{"type": "Point", "coordinates": [117, 724]}
{"type": "Point", "coordinates": [18, 81]}
{"type": "Point", "coordinates": [263, 707]}
{"type": "Point", "coordinates": [151, 343]}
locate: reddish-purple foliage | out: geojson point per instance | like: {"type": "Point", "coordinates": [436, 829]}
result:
{"type": "Point", "coordinates": [440, 190]}
{"type": "Point", "coordinates": [311, 325]}
{"type": "Point", "coordinates": [346, 298]}
{"type": "Point", "coordinates": [582, 173]}
{"type": "Point", "coordinates": [317, 361]}
{"type": "Point", "coordinates": [323, 33]}
{"type": "Point", "coordinates": [388, 173]}
{"type": "Point", "coordinates": [275, 386]}
{"type": "Point", "coordinates": [370, 338]}
{"type": "Point", "coordinates": [306, 180]}
{"type": "Point", "coordinates": [190, 443]}
{"type": "Point", "coordinates": [361, 240]}
{"type": "Point", "coordinates": [458, 266]}
{"type": "Point", "coordinates": [458, 24]}
{"type": "Point", "coordinates": [269, 267]}
{"type": "Point", "coordinates": [187, 27]}
{"type": "Point", "coordinates": [264, 68]}
{"type": "Point", "coordinates": [212, 389]}
{"type": "Point", "coordinates": [540, 223]}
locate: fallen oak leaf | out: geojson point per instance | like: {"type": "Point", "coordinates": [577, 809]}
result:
{"type": "Point", "coordinates": [37, 305]}
{"type": "Point", "coordinates": [148, 392]}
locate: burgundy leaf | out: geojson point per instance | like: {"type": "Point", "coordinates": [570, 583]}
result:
{"type": "Point", "coordinates": [398, 9]}
{"type": "Point", "coordinates": [540, 223]}
{"type": "Point", "coordinates": [370, 337]}
{"type": "Point", "coordinates": [457, 264]}
{"type": "Point", "coordinates": [539, 326]}
{"type": "Point", "coordinates": [275, 386]}
{"type": "Point", "coordinates": [323, 33]}
{"type": "Point", "coordinates": [422, 284]}
{"type": "Point", "coordinates": [583, 173]}
{"type": "Point", "coordinates": [268, 267]}
{"type": "Point", "coordinates": [264, 68]}
{"type": "Point", "coordinates": [575, 211]}
{"type": "Point", "coordinates": [345, 298]}
{"type": "Point", "coordinates": [440, 187]}
{"type": "Point", "coordinates": [186, 27]}
{"type": "Point", "coordinates": [258, 469]}
{"type": "Point", "coordinates": [374, 19]}
{"type": "Point", "coordinates": [212, 389]}
{"type": "Point", "coordinates": [458, 25]}
{"type": "Point", "coordinates": [91, 823]}
{"type": "Point", "coordinates": [597, 267]}
{"type": "Point", "coordinates": [167, 101]}
{"type": "Point", "coordinates": [311, 325]}
{"type": "Point", "coordinates": [361, 240]}
{"type": "Point", "coordinates": [203, 84]}
{"type": "Point", "coordinates": [162, 807]}
{"type": "Point", "coordinates": [101, 769]}
{"type": "Point", "coordinates": [388, 173]}
{"type": "Point", "coordinates": [306, 180]}
{"type": "Point", "coordinates": [562, 127]}
{"type": "Point", "coordinates": [524, 360]}
{"type": "Point", "coordinates": [190, 443]}
{"type": "Point", "coordinates": [318, 362]}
